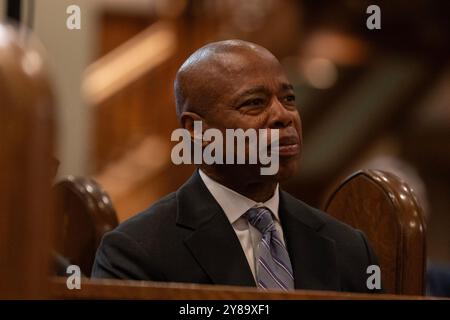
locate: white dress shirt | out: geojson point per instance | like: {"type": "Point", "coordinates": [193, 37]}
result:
{"type": "Point", "coordinates": [235, 205]}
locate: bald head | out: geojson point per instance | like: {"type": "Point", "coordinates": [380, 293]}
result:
{"type": "Point", "coordinates": [238, 85]}
{"type": "Point", "coordinates": [202, 79]}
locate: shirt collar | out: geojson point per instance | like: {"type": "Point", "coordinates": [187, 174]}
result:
{"type": "Point", "coordinates": [235, 204]}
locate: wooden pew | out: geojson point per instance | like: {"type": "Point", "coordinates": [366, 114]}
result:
{"type": "Point", "coordinates": [26, 140]}
{"type": "Point", "coordinates": [387, 211]}
{"type": "Point", "coordinates": [142, 290]}
{"type": "Point", "coordinates": [376, 202]}
{"type": "Point", "coordinates": [84, 213]}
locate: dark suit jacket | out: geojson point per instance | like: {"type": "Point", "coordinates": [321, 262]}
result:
{"type": "Point", "coordinates": [186, 237]}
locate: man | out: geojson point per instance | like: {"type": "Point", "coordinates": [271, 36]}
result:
{"type": "Point", "coordinates": [228, 224]}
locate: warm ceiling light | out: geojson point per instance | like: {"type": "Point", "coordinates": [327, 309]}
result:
{"type": "Point", "coordinates": [320, 73]}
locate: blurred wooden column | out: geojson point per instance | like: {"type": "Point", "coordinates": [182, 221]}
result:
{"type": "Point", "coordinates": [133, 125]}
{"type": "Point", "coordinates": [26, 138]}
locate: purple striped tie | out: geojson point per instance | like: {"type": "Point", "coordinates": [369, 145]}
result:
{"type": "Point", "coordinates": [273, 267]}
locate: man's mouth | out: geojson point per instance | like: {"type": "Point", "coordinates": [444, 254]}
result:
{"type": "Point", "coordinates": [288, 146]}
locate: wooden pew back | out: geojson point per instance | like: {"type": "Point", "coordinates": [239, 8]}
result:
{"type": "Point", "coordinates": [85, 213]}
{"type": "Point", "coordinates": [387, 211]}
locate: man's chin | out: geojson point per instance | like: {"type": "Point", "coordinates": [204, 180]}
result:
{"type": "Point", "coordinates": [288, 169]}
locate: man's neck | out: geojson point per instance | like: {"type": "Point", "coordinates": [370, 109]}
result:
{"type": "Point", "coordinates": [258, 191]}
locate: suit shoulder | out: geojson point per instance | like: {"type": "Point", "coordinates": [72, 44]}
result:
{"type": "Point", "coordinates": [161, 213]}
{"type": "Point", "coordinates": [331, 221]}
{"type": "Point", "coordinates": [330, 225]}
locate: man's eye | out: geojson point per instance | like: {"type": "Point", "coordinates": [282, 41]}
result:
{"type": "Point", "coordinates": [253, 102]}
{"type": "Point", "coordinates": [290, 98]}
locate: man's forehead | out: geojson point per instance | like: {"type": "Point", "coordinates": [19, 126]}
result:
{"type": "Point", "coordinates": [222, 70]}
{"type": "Point", "coordinates": [234, 74]}
{"type": "Point", "coordinates": [245, 60]}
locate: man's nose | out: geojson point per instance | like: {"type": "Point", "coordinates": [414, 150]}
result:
{"type": "Point", "coordinates": [280, 117]}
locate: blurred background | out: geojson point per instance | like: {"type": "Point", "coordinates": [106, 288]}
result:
{"type": "Point", "coordinates": [368, 98]}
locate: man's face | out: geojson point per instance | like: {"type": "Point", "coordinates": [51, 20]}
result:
{"type": "Point", "coordinates": [255, 93]}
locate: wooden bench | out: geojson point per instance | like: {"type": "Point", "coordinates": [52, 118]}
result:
{"type": "Point", "coordinates": [387, 211]}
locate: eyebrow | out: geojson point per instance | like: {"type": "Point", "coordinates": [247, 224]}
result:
{"type": "Point", "coordinates": [263, 89]}
{"type": "Point", "coordinates": [287, 86]}
{"type": "Point", "coordinates": [257, 89]}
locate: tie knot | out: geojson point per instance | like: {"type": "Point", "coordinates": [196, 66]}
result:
{"type": "Point", "coordinates": [261, 219]}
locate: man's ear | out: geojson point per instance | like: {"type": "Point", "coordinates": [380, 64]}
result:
{"type": "Point", "coordinates": [187, 122]}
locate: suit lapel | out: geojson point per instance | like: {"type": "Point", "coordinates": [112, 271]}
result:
{"type": "Point", "coordinates": [213, 242]}
{"type": "Point", "coordinates": [313, 256]}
